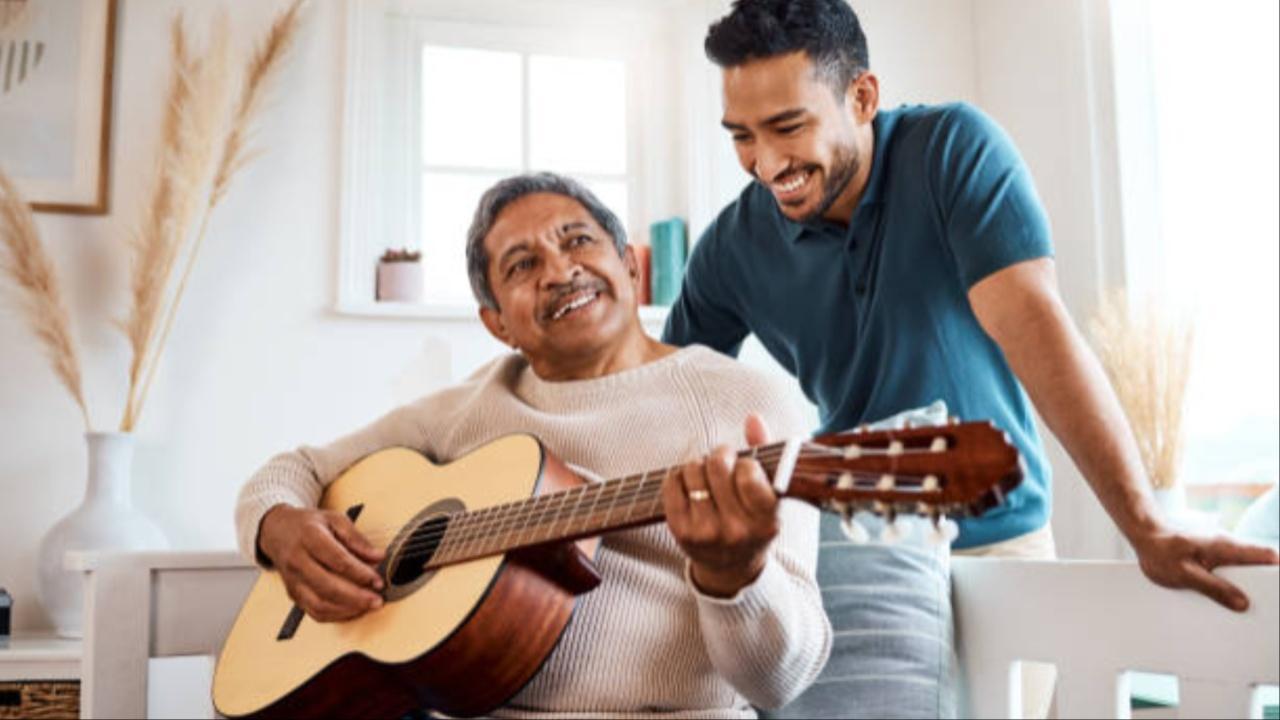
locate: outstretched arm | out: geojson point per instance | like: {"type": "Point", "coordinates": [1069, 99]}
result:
{"type": "Point", "coordinates": [1020, 308]}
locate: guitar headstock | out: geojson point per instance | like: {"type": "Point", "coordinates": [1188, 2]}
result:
{"type": "Point", "coordinates": [960, 469]}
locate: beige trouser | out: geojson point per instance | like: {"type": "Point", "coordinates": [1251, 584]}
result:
{"type": "Point", "coordinates": [1037, 678]}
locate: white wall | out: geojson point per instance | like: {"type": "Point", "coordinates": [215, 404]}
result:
{"type": "Point", "coordinates": [1044, 72]}
{"type": "Point", "coordinates": [258, 362]}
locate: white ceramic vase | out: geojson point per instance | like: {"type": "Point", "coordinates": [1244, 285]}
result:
{"type": "Point", "coordinates": [105, 520]}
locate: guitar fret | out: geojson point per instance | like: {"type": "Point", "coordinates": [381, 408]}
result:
{"type": "Point", "coordinates": [613, 503]}
{"type": "Point", "coordinates": [597, 491]}
{"type": "Point", "coordinates": [474, 531]}
{"type": "Point", "coordinates": [657, 497]}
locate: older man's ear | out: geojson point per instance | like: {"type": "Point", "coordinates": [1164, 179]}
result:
{"type": "Point", "coordinates": [633, 267]}
{"type": "Point", "coordinates": [492, 320]}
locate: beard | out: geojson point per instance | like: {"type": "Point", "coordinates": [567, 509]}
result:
{"type": "Point", "coordinates": [845, 164]}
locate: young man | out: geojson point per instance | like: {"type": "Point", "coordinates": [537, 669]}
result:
{"type": "Point", "coordinates": [702, 617]}
{"type": "Point", "coordinates": [888, 258]}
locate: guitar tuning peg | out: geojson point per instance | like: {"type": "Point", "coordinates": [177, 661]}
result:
{"type": "Point", "coordinates": [944, 531]}
{"type": "Point", "coordinates": [891, 533]}
{"type": "Point", "coordinates": [854, 531]}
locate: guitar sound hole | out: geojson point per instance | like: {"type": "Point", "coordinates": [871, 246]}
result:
{"type": "Point", "coordinates": [417, 551]}
{"type": "Point", "coordinates": [414, 547]}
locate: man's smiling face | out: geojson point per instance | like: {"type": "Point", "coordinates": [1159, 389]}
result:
{"type": "Point", "coordinates": [563, 291]}
{"type": "Point", "coordinates": [795, 134]}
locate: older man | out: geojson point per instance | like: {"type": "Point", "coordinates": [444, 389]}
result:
{"type": "Point", "coordinates": [705, 616]}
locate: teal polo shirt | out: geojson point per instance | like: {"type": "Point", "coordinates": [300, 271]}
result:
{"type": "Point", "coordinates": [874, 318]}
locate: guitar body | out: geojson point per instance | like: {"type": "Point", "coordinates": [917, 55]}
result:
{"type": "Point", "coordinates": [461, 639]}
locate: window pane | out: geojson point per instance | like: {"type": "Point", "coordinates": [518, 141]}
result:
{"type": "Point", "coordinates": [613, 193]}
{"type": "Point", "coordinates": [1218, 185]}
{"type": "Point", "coordinates": [471, 107]}
{"type": "Point", "coordinates": [578, 119]}
{"type": "Point", "coordinates": [448, 201]}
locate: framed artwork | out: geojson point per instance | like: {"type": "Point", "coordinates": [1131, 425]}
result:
{"type": "Point", "coordinates": [56, 60]}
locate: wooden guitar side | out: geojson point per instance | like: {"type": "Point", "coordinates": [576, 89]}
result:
{"type": "Point", "coordinates": [463, 643]}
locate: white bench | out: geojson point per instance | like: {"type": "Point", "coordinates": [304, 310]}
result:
{"type": "Point", "coordinates": [1094, 620]}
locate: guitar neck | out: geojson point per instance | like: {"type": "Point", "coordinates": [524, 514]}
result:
{"type": "Point", "coordinates": [585, 511]}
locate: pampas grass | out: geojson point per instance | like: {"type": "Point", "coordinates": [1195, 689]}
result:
{"type": "Point", "coordinates": [185, 162]}
{"type": "Point", "coordinates": [1147, 356]}
{"type": "Point", "coordinates": [195, 108]}
{"type": "Point", "coordinates": [31, 271]}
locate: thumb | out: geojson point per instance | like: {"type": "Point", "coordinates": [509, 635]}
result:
{"type": "Point", "coordinates": [756, 431]}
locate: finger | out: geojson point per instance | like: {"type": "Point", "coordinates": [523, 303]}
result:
{"type": "Point", "coordinates": [754, 491]}
{"type": "Point", "coordinates": [693, 477]}
{"type": "Point", "coordinates": [355, 541]}
{"type": "Point", "coordinates": [1221, 591]}
{"type": "Point", "coordinates": [329, 550]}
{"type": "Point", "coordinates": [336, 589]}
{"type": "Point", "coordinates": [318, 608]}
{"type": "Point", "coordinates": [756, 430]}
{"type": "Point", "coordinates": [1225, 551]}
{"type": "Point", "coordinates": [675, 503]}
{"type": "Point", "coordinates": [721, 481]}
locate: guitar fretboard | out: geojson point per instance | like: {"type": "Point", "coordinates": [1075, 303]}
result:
{"type": "Point", "coordinates": [581, 512]}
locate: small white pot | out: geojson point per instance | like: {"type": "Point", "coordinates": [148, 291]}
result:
{"type": "Point", "coordinates": [399, 281]}
{"type": "Point", "coordinates": [105, 520]}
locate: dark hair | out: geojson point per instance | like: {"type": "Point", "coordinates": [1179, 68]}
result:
{"type": "Point", "coordinates": [511, 189]}
{"type": "Point", "coordinates": [827, 30]}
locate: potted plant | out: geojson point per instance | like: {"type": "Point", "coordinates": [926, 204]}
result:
{"type": "Point", "coordinates": [399, 276]}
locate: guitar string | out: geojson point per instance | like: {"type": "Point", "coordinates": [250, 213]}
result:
{"type": "Point", "coordinates": [482, 521]}
{"type": "Point", "coordinates": [470, 526]}
{"type": "Point", "coordinates": [485, 534]}
{"type": "Point", "coordinates": [538, 504]}
{"type": "Point", "coordinates": [462, 554]}
{"type": "Point", "coordinates": [525, 507]}
{"type": "Point", "coordinates": [519, 513]}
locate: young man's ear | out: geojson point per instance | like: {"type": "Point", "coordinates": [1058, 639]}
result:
{"type": "Point", "coordinates": [492, 320]}
{"type": "Point", "coordinates": [863, 97]}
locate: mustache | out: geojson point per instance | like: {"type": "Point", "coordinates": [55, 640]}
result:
{"type": "Point", "coordinates": [577, 285]}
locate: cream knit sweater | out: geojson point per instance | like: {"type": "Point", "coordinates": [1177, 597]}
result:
{"type": "Point", "coordinates": [645, 642]}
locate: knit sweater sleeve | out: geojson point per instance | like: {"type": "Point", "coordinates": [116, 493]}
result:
{"type": "Point", "coordinates": [772, 639]}
{"type": "Point", "coordinates": [298, 478]}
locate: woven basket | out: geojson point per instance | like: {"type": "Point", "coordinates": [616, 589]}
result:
{"type": "Point", "coordinates": [39, 700]}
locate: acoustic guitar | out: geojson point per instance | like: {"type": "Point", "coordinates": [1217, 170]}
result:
{"type": "Point", "coordinates": [485, 555]}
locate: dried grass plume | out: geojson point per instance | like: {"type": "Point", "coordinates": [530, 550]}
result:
{"type": "Point", "coordinates": [1147, 356]}
{"type": "Point", "coordinates": [197, 113]}
{"type": "Point", "coordinates": [25, 262]}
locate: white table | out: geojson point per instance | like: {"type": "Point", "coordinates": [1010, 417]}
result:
{"type": "Point", "coordinates": [39, 658]}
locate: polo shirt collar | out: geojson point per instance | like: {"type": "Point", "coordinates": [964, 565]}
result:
{"type": "Point", "coordinates": [883, 125]}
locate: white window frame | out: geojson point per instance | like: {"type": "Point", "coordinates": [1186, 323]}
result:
{"type": "Point", "coordinates": [380, 192]}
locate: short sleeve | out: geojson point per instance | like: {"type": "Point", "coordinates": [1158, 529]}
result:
{"type": "Point", "coordinates": [988, 203]}
{"type": "Point", "coordinates": [703, 313]}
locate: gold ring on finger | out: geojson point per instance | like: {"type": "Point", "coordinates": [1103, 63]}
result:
{"type": "Point", "coordinates": [699, 495]}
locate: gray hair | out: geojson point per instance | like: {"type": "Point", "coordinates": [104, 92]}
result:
{"type": "Point", "coordinates": [511, 189]}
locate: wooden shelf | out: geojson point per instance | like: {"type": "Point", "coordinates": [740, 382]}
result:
{"type": "Point", "coordinates": [40, 657]}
